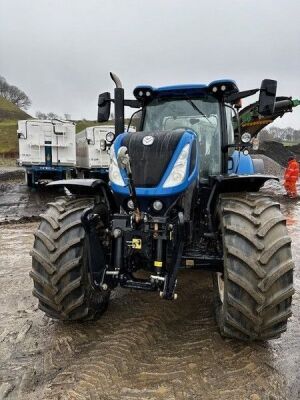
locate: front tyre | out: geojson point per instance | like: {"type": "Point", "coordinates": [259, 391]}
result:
{"type": "Point", "coordinates": [59, 264]}
{"type": "Point", "coordinates": [253, 295]}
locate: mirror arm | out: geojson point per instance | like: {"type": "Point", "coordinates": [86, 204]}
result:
{"type": "Point", "coordinates": [128, 103]}
{"type": "Point", "coordinates": [240, 95]}
{"type": "Point", "coordinates": [132, 103]}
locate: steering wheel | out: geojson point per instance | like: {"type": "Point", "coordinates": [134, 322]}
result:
{"type": "Point", "coordinates": [185, 128]}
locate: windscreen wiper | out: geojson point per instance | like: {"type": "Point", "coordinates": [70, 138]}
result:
{"type": "Point", "coordinates": [190, 101]}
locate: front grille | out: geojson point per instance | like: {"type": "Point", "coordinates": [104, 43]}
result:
{"type": "Point", "coordinates": [149, 163]}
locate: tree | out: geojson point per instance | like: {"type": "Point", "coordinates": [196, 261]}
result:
{"type": "Point", "coordinates": [52, 115]}
{"type": "Point", "coordinates": [264, 135]}
{"type": "Point", "coordinates": [41, 115]}
{"type": "Point", "coordinates": [14, 94]}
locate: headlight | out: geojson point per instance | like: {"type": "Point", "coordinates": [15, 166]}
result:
{"type": "Point", "coordinates": [178, 172]}
{"type": "Point", "coordinates": [110, 137]}
{"type": "Point", "coordinates": [157, 205]}
{"type": "Point", "coordinates": [130, 204]}
{"type": "Point", "coordinates": [114, 171]}
{"type": "Point", "coordinates": [246, 137]}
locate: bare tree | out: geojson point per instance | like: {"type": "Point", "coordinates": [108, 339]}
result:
{"type": "Point", "coordinates": [41, 115]}
{"type": "Point", "coordinates": [52, 115]}
{"type": "Point", "coordinates": [14, 94]}
{"type": "Point", "coordinates": [3, 86]}
{"type": "Point", "coordinates": [18, 97]}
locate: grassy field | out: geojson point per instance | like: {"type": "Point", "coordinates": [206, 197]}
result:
{"type": "Point", "coordinates": [8, 136]}
{"type": "Point", "coordinates": [81, 125]}
{"type": "Point", "coordinates": [288, 144]}
{"type": "Point", "coordinates": [8, 111]}
{"type": "Point", "coordinates": [9, 115]}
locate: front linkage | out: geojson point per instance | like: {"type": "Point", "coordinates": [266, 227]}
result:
{"type": "Point", "coordinates": [155, 243]}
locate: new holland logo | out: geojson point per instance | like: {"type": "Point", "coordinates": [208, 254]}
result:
{"type": "Point", "coordinates": [148, 140]}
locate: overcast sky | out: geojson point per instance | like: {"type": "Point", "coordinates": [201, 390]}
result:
{"type": "Point", "coordinates": [60, 52]}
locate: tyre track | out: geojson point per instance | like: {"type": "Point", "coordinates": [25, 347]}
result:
{"type": "Point", "coordinates": [142, 348]}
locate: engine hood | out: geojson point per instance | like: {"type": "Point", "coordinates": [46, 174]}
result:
{"type": "Point", "coordinates": [153, 156]}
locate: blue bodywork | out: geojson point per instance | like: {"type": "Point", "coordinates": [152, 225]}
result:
{"type": "Point", "coordinates": [241, 164]}
{"type": "Point", "coordinates": [159, 191]}
{"type": "Point", "coordinates": [188, 89]}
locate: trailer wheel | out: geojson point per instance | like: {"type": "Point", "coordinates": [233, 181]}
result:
{"type": "Point", "coordinates": [29, 179]}
{"type": "Point", "coordinates": [59, 264]}
{"type": "Point", "coordinates": [253, 295]}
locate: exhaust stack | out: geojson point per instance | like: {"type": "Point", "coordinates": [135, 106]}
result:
{"type": "Point", "coordinates": [119, 105]}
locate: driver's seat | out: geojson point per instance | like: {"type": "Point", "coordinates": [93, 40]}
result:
{"type": "Point", "coordinates": [171, 123]}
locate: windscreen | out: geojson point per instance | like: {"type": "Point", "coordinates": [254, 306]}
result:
{"type": "Point", "coordinates": [200, 115]}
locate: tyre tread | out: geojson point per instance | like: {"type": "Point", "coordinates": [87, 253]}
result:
{"type": "Point", "coordinates": [61, 282]}
{"type": "Point", "coordinates": [258, 294]}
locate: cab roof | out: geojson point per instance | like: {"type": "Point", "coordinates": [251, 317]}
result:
{"type": "Point", "coordinates": [224, 86]}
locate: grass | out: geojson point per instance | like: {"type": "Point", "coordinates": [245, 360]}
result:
{"type": "Point", "coordinates": [288, 144]}
{"type": "Point", "coordinates": [9, 111]}
{"type": "Point", "coordinates": [81, 125]}
{"type": "Point", "coordinates": [9, 116]}
{"type": "Point", "coordinates": [8, 136]}
{"type": "Point", "coordinates": [7, 162]}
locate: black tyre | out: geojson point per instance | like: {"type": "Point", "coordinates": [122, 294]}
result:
{"type": "Point", "coordinates": [253, 296]}
{"type": "Point", "coordinates": [59, 264]}
{"type": "Point", "coordinates": [29, 180]}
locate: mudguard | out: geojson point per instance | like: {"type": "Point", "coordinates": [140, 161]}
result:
{"type": "Point", "coordinates": [87, 187]}
{"type": "Point", "coordinates": [240, 183]}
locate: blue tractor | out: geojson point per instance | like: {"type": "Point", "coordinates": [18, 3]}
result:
{"type": "Point", "coordinates": [183, 192]}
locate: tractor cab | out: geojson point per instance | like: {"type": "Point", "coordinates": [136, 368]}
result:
{"type": "Point", "coordinates": [185, 137]}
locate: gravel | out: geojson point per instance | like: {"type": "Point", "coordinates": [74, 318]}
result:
{"type": "Point", "coordinates": [271, 166]}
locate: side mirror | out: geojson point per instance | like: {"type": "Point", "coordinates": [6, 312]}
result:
{"type": "Point", "coordinates": [103, 107]}
{"type": "Point", "coordinates": [267, 97]}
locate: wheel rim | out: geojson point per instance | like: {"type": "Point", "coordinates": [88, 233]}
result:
{"type": "Point", "coordinates": [220, 279]}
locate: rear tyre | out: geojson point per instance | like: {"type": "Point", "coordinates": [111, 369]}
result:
{"type": "Point", "coordinates": [59, 264]}
{"type": "Point", "coordinates": [254, 294]}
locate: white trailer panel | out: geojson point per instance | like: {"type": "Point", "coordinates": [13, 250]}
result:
{"type": "Point", "coordinates": [88, 152]}
{"type": "Point", "coordinates": [47, 142]}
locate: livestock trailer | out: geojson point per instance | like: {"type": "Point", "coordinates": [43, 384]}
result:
{"type": "Point", "coordinates": [47, 149]}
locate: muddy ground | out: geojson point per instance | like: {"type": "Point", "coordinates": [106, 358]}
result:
{"type": "Point", "coordinates": [143, 347]}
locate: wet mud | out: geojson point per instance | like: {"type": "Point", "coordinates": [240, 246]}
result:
{"type": "Point", "coordinates": [143, 347]}
{"type": "Point", "coordinates": [19, 203]}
